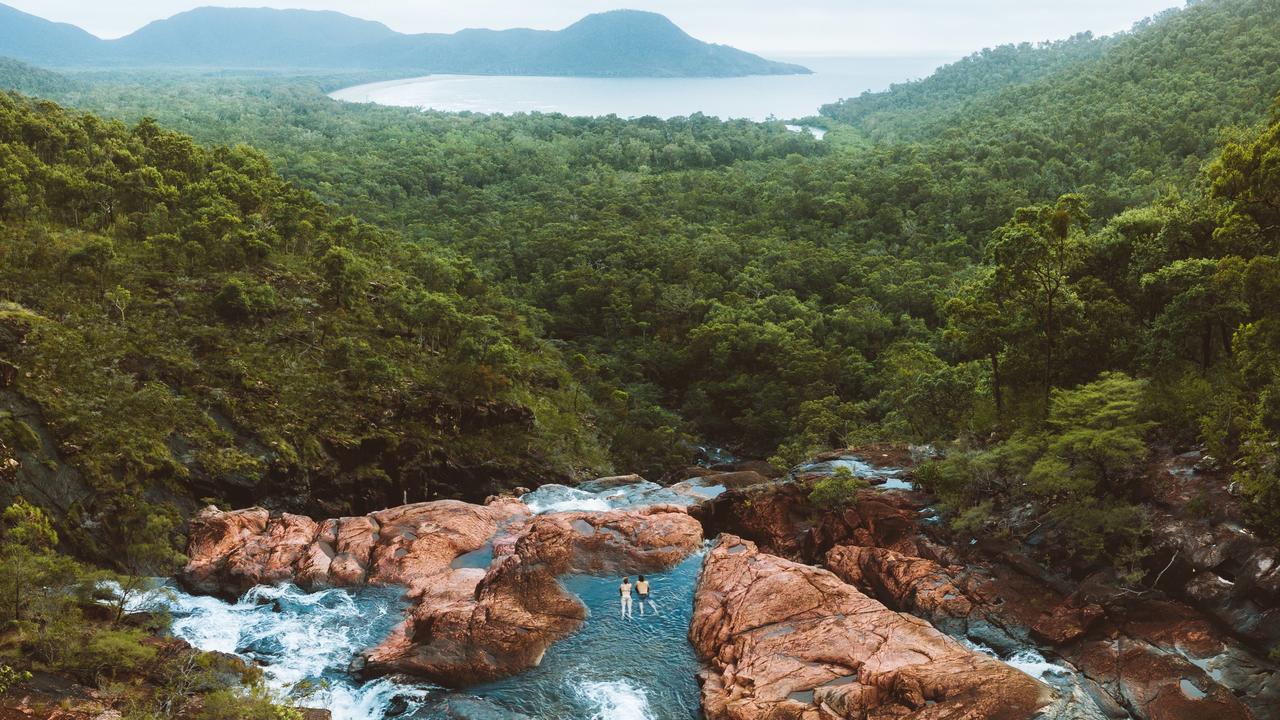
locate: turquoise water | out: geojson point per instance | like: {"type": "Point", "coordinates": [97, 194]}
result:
{"type": "Point", "coordinates": [641, 668]}
{"type": "Point", "coordinates": [615, 668]}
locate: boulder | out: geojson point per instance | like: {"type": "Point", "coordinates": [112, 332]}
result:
{"type": "Point", "coordinates": [464, 624]}
{"type": "Point", "coordinates": [913, 584]}
{"type": "Point", "coordinates": [506, 619]}
{"type": "Point", "coordinates": [785, 640]}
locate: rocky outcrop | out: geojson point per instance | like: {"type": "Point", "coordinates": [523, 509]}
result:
{"type": "Point", "coordinates": [785, 640]}
{"type": "Point", "coordinates": [781, 519]}
{"type": "Point", "coordinates": [233, 551]}
{"type": "Point", "coordinates": [502, 624]}
{"type": "Point", "coordinates": [916, 585]}
{"type": "Point", "coordinates": [1132, 654]}
{"type": "Point", "coordinates": [465, 624]}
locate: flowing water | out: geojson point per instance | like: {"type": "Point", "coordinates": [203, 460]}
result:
{"type": "Point", "coordinates": [642, 668]}
{"type": "Point", "coordinates": [886, 478]}
{"type": "Point", "coordinates": [614, 668]}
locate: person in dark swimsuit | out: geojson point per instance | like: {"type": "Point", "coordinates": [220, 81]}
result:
{"type": "Point", "coordinates": [642, 590]}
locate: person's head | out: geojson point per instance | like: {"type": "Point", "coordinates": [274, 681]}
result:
{"type": "Point", "coordinates": [641, 578]}
{"type": "Point", "coordinates": [626, 580]}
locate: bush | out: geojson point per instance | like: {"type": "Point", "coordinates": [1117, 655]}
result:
{"type": "Point", "coordinates": [9, 677]}
{"type": "Point", "coordinates": [241, 300]}
{"type": "Point", "coordinates": [256, 705]}
{"type": "Point", "coordinates": [837, 491]}
{"type": "Point", "coordinates": [113, 653]}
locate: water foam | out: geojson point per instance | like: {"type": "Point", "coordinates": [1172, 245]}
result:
{"type": "Point", "coordinates": [303, 641]}
{"type": "Point", "coordinates": [614, 700]}
{"type": "Point", "coordinates": [1027, 660]}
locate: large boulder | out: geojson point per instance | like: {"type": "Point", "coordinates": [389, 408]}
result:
{"type": "Point", "coordinates": [465, 624]}
{"type": "Point", "coordinates": [230, 552]}
{"type": "Point", "coordinates": [517, 609]}
{"type": "Point", "coordinates": [785, 640]}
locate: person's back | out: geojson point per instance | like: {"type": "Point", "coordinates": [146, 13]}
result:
{"type": "Point", "coordinates": [624, 591]}
{"type": "Point", "coordinates": [642, 590]}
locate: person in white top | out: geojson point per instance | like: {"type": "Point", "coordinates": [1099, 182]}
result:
{"type": "Point", "coordinates": [625, 590]}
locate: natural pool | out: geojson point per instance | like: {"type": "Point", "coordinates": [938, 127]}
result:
{"type": "Point", "coordinates": [642, 668]}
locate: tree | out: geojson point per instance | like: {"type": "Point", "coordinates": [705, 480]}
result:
{"type": "Point", "coordinates": [978, 325]}
{"type": "Point", "coordinates": [146, 548]}
{"type": "Point", "coordinates": [1034, 256]}
{"type": "Point", "coordinates": [120, 298]}
{"type": "Point", "coordinates": [32, 573]}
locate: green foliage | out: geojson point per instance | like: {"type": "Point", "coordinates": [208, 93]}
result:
{"type": "Point", "coordinates": [18, 434]}
{"type": "Point", "coordinates": [1096, 440]}
{"type": "Point", "coordinates": [10, 677]}
{"type": "Point", "coordinates": [236, 705]}
{"type": "Point", "coordinates": [116, 653]}
{"type": "Point", "coordinates": [34, 578]}
{"type": "Point", "coordinates": [241, 299]}
{"type": "Point", "coordinates": [1018, 252]}
{"type": "Point", "coordinates": [836, 490]}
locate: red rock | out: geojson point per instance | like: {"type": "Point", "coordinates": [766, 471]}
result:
{"type": "Point", "coordinates": [914, 584]}
{"type": "Point", "coordinates": [465, 624]}
{"type": "Point", "coordinates": [505, 622]}
{"type": "Point", "coordinates": [213, 536]}
{"type": "Point", "coordinates": [774, 631]}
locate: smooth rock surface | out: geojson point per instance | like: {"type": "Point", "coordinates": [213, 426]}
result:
{"type": "Point", "coordinates": [785, 640]}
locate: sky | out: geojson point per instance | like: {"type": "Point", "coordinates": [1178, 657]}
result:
{"type": "Point", "coordinates": [791, 28]}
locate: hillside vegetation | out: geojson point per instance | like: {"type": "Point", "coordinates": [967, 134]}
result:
{"type": "Point", "coordinates": [189, 325]}
{"type": "Point", "coordinates": [1046, 274]}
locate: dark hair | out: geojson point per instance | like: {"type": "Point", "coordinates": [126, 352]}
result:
{"type": "Point", "coordinates": [625, 579]}
{"type": "Point", "coordinates": [641, 578]}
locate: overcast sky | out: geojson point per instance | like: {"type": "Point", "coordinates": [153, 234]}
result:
{"type": "Point", "coordinates": [792, 27]}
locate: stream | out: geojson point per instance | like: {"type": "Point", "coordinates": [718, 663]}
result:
{"type": "Point", "coordinates": [641, 668]}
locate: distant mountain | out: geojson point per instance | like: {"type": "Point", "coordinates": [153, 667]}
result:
{"type": "Point", "coordinates": [36, 40]}
{"type": "Point", "coordinates": [622, 43]}
{"type": "Point", "coordinates": [246, 37]}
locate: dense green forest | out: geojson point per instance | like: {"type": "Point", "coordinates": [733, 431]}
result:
{"type": "Point", "coordinates": [1047, 258]}
{"type": "Point", "coordinates": [1053, 262]}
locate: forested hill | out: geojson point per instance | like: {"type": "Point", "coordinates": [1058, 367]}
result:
{"type": "Point", "coordinates": [178, 322]}
{"type": "Point", "coordinates": [1085, 114]}
{"type": "Point", "coordinates": [620, 43]}
{"type": "Point", "coordinates": [20, 77]}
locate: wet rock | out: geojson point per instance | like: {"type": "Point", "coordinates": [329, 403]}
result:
{"type": "Point", "coordinates": [500, 622]}
{"type": "Point", "coordinates": [785, 640]}
{"type": "Point", "coordinates": [779, 517]}
{"type": "Point", "coordinates": [470, 708]}
{"type": "Point", "coordinates": [610, 483]}
{"type": "Point", "coordinates": [759, 467]}
{"type": "Point", "coordinates": [465, 624]}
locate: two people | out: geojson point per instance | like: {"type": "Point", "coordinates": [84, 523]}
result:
{"type": "Point", "coordinates": [641, 589]}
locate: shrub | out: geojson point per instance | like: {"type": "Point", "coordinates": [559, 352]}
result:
{"type": "Point", "coordinates": [9, 677]}
{"type": "Point", "coordinates": [241, 300]}
{"type": "Point", "coordinates": [837, 490]}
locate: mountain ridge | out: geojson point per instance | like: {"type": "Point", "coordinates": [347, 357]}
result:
{"type": "Point", "coordinates": [618, 43]}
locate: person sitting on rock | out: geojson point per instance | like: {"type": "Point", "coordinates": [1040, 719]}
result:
{"type": "Point", "coordinates": [642, 590]}
{"type": "Point", "coordinates": [625, 589]}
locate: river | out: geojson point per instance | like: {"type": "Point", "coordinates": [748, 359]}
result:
{"type": "Point", "coordinates": [759, 98]}
{"type": "Point", "coordinates": [642, 668]}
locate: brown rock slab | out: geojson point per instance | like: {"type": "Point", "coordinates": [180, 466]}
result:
{"type": "Point", "coordinates": [785, 640]}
